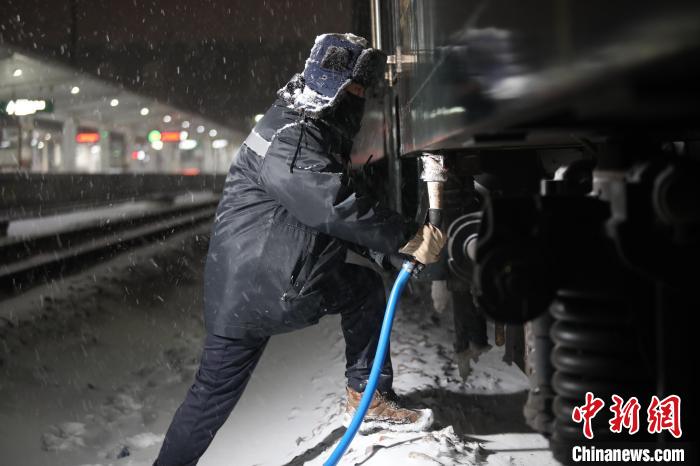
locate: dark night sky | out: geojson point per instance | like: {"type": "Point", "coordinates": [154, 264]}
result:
{"type": "Point", "coordinates": [222, 58]}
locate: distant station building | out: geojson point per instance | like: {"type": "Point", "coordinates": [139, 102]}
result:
{"type": "Point", "coordinates": [54, 119]}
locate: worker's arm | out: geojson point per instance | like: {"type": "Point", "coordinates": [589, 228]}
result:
{"type": "Point", "coordinates": [318, 193]}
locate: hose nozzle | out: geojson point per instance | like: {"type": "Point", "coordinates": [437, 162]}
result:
{"type": "Point", "coordinates": [435, 175]}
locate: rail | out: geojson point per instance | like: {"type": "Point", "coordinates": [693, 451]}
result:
{"type": "Point", "coordinates": [41, 254]}
{"type": "Point", "coordinates": [28, 195]}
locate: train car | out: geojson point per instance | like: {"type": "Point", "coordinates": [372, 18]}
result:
{"type": "Point", "coordinates": [570, 131]}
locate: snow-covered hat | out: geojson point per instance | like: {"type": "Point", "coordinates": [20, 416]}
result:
{"type": "Point", "coordinates": [334, 62]}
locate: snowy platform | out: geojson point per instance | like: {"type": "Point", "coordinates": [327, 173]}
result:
{"type": "Point", "coordinates": [95, 377]}
{"type": "Point", "coordinates": [70, 221]}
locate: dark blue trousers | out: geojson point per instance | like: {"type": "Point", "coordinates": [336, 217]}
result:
{"type": "Point", "coordinates": [227, 364]}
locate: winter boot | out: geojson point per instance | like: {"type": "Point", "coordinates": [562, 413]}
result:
{"type": "Point", "coordinates": [386, 413]}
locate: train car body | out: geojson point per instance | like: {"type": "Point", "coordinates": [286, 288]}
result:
{"type": "Point", "coordinates": [571, 133]}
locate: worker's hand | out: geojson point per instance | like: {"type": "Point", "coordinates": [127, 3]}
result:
{"type": "Point", "coordinates": [426, 245]}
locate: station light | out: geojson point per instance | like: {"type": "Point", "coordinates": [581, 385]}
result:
{"type": "Point", "coordinates": [258, 117]}
{"type": "Point", "coordinates": [75, 90]}
{"type": "Point", "coordinates": [145, 111]}
{"type": "Point", "coordinates": [114, 102]}
{"type": "Point", "coordinates": [219, 143]}
{"type": "Point", "coordinates": [170, 136]}
{"type": "Point", "coordinates": [138, 155]}
{"type": "Point", "coordinates": [187, 144]}
{"type": "Point", "coordinates": [190, 171]}
{"type": "Point", "coordinates": [185, 124]}
{"type": "Point", "coordinates": [154, 136]}
{"type": "Point", "coordinates": [166, 136]}
{"type": "Point", "coordinates": [157, 145]}
{"type": "Point", "coordinates": [200, 129]}
{"type": "Point", "coordinates": [87, 138]}
{"type": "Point", "coordinates": [17, 72]}
{"type": "Point", "coordinates": [21, 107]}
{"type": "Point", "coordinates": [213, 133]}
{"type": "Point", "coordinates": [167, 119]}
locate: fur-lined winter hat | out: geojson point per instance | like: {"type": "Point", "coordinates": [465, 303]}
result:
{"type": "Point", "coordinates": [335, 61]}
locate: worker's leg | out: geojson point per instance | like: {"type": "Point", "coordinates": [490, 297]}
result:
{"type": "Point", "coordinates": [223, 374]}
{"type": "Point", "coordinates": [362, 314]}
{"type": "Point", "coordinates": [362, 318]}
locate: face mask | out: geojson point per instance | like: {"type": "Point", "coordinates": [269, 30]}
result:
{"type": "Point", "coordinates": [346, 114]}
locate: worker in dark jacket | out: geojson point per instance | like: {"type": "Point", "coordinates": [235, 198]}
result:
{"type": "Point", "coordinates": [277, 256]}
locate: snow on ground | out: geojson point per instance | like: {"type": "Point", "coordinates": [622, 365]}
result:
{"type": "Point", "coordinates": [92, 369]}
{"type": "Point", "coordinates": [68, 221]}
{"type": "Point", "coordinates": [477, 421]}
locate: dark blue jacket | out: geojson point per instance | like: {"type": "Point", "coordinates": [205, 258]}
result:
{"type": "Point", "coordinates": [286, 218]}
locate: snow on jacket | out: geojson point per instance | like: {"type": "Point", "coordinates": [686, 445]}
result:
{"type": "Point", "coordinates": [287, 215]}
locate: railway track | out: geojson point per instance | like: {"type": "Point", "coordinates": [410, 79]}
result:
{"type": "Point", "coordinates": [29, 261]}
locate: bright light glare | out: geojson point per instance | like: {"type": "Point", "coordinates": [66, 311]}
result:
{"type": "Point", "coordinates": [258, 117]}
{"type": "Point", "coordinates": [219, 143]}
{"type": "Point", "coordinates": [185, 124]}
{"type": "Point", "coordinates": [145, 111]}
{"type": "Point", "coordinates": [22, 107]}
{"type": "Point", "coordinates": [74, 90]}
{"type": "Point", "coordinates": [157, 145]}
{"type": "Point", "coordinates": [167, 119]}
{"type": "Point", "coordinates": [187, 144]}
{"type": "Point", "coordinates": [183, 135]}
{"type": "Point", "coordinates": [114, 102]}
{"type": "Point", "coordinates": [17, 73]}
{"type": "Point", "coordinates": [213, 133]}
{"type": "Point", "coordinates": [200, 129]}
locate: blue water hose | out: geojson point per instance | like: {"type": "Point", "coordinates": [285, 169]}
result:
{"type": "Point", "coordinates": [379, 357]}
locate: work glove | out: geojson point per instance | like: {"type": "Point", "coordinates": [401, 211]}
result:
{"type": "Point", "coordinates": [426, 245]}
